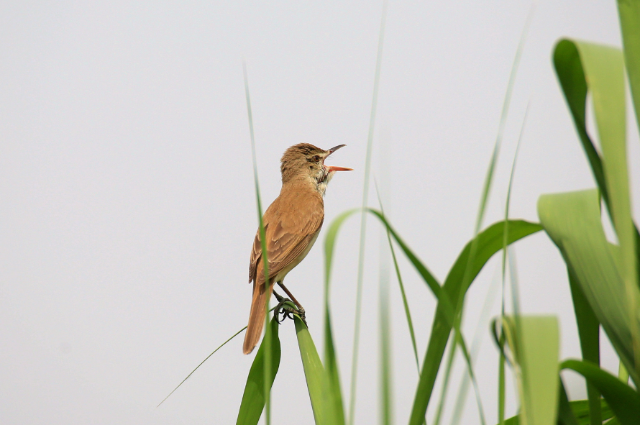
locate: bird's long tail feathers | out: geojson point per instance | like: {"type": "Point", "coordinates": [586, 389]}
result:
{"type": "Point", "coordinates": [256, 317]}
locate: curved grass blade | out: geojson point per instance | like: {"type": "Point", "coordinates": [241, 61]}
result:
{"type": "Point", "coordinates": [405, 303]}
{"type": "Point", "coordinates": [604, 71]}
{"type": "Point", "coordinates": [535, 344]}
{"type": "Point", "coordinates": [488, 243]}
{"type": "Point", "coordinates": [623, 400]}
{"type": "Point", "coordinates": [255, 396]}
{"type": "Point", "coordinates": [317, 380]}
{"type": "Point", "coordinates": [201, 363]}
{"type": "Point", "coordinates": [581, 67]}
{"type": "Point", "coordinates": [572, 221]}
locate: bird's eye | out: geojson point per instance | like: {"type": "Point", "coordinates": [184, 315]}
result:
{"type": "Point", "coordinates": [316, 158]}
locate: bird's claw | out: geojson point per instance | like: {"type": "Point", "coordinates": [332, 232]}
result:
{"type": "Point", "coordinates": [287, 309]}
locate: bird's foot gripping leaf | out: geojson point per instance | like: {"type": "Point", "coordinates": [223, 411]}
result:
{"type": "Point", "coordinates": [287, 309]}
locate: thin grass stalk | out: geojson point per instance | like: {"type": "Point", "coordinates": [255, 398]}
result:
{"type": "Point", "coordinates": [201, 363]}
{"type": "Point", "coordinates": [386, 377]}
{"type": "Point", "coordinates": [363, 222]}
{"type": "Point", "coordinates": [263, 240]}
{"type": "Point", "coordinates": [505, 251]}
{"type": "Point", "coordinates": [405, 303]}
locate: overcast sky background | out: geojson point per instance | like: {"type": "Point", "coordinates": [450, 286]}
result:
{"type": "Point", "coordinates": [127, 207]}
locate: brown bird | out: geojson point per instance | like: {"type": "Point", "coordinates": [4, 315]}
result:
{"type": "Point", "coordinates": [292, 224]}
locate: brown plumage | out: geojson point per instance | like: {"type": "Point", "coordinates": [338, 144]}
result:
{"type": "Point", "coordinates": [292, 224]}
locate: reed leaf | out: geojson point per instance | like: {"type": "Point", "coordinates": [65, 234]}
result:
{"type": "Point", "coordinates": [572, 221]}
{"type": "Point", "coordinates": [535, 345]}
{"type": "Point", "coordinates": [255, 396]}
{"type": "Point", "coordinates": [318, 384]}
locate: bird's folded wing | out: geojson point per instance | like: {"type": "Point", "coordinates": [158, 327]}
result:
{"type": "Point", "coordinates": [288, 235]}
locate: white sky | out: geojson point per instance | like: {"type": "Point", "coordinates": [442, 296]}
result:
{"type": "Point", "coordinates": [127, 207]}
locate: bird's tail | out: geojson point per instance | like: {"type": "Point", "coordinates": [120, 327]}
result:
{"type": "Point", "coordinates": [256, 316]}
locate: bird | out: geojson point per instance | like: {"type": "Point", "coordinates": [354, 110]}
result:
{"type": "Point", "coordinates": [291, 225]}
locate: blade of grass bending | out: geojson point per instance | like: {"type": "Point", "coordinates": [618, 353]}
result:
{"type": "Point", "coordinates": [405, 303]}
{"type": "Point", "coordinates": [604, 71]}
{"type": "Point", "coordinates": [488, 243]}
{"type": "Point", "coordinates": [629, 12]}
{"type": "Point", "coordinates": [255, 396]}
{"type": "Point", "coordinates": [201, 363]}
{"type": "Point", "coordinates": [575, 80]}
{"type": "Point", "coordinates": [363, 222]}
{"type": "Point", "coordinates": [317, 379]}
{"type": "Point", "coordinates": [621, 398]}
{"type": "Point", "coordinates": [263, 242]}
{"type": "Point", "coordinates": [572, 221]}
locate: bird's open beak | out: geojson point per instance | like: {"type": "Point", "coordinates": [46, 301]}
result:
{"type": "Point", "coordinates": [331, 168]}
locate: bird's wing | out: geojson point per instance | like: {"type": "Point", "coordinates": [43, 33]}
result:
{"type": "Point", "coordinates": [288, 232]}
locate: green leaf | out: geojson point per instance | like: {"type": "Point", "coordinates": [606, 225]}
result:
{"type": "Point", "coordinates": [487, 244]}
{"type": "Point", "coordinates": [317, 380]}
{"type": "Point", "coordinates": [629, 12]}
{"type": "Point", "coordinates": [623, 400]}
{"type": "Point", "coordinates": [572, 221]}
{"type": "Point", "coordinates": [589, 332]}
{"type": "Point", "coordinates": [535, 345]}
{"type": "Point", "coordinates": [585, 66]}
{"type": "Point", "coordinates": [253, 399]}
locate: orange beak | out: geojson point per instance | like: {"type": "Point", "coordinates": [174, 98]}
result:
{"type": "Point", "coordinates": [331, 168]}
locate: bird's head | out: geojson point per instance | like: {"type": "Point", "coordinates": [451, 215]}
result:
{"type": "Point", "coordinates": [306, 162]}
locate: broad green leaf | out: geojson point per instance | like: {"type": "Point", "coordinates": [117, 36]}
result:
{"type": "Point", "coordinates": [487, 243]}
{"type": "Point", "coordinates": [317, 380]}
{"type": "Point", "coordinates": [535, 345]}
{"type": "Point", "coordinates": [604, 72]}
{"type": "Point", "coordinates": [629, 12]}
{"type": "Point", "coordinates": [254, 397]}
{"type": "Point", "coordinates": [583, 67]}
{"type": "Point", "coordinates": [572, 221]}
{"type": "Point", "coordinates": [589, 332]}
{"type": "Point", "coordinates": [623, 400]}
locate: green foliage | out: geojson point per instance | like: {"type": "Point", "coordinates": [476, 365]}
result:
{"type": "Point", "coordinates": [318, 381]}
{"type": "Point", "coordinates": [255, 396]}
{"type": "Point", "coordinates": [535, 347]}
